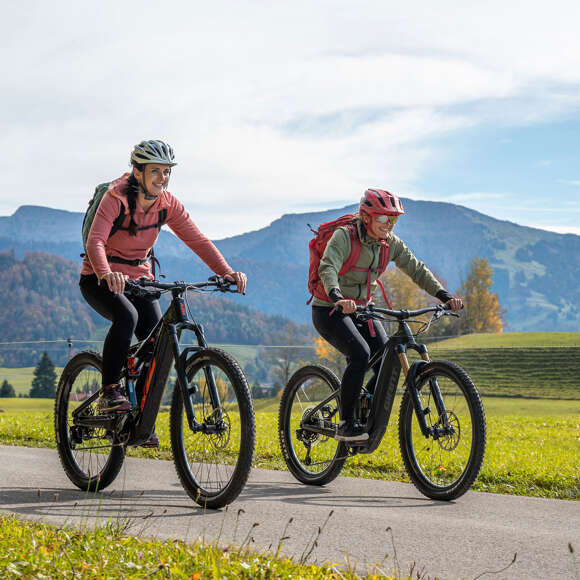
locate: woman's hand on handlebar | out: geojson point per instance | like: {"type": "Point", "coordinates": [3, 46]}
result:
{"type": "Point", "coordinates": [240, 280]}
{"type": "Point", "coordinates": [347, 306]}
{"type": "Point", "coordinates": [116, 281]}
{"type": "Point", "coordinates": [454, 304]}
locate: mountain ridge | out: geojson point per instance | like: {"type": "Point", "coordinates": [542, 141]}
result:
{"type": "Point", "coordinates": [535, 271]}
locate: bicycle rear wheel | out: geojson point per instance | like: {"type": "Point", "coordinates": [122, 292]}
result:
{"type": "Point", "coordinates": [312, 458]}
{"type": "Point", "coordinates": [214, 466]}
{"type": "Point", "coordinates": [443, 468]}
{"type": "Point", "coordinates": [87, 454]}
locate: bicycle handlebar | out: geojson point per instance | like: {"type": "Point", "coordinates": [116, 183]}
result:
{"type": "Point", "coordinates": [403, 314]}
{"type": "Point", "coordinates": [138, 286]}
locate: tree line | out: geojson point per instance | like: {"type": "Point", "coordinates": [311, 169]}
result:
{"type": "Point", "coordinates": [42, 301]}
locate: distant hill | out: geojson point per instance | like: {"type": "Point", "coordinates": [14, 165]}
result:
{"type": "Point", "coordinates": [536, 271]}
{"type": "Point", "coordinates": [41, 301]}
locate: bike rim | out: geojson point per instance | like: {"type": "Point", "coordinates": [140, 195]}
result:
{"type": "Point", "coordinates": [444, 461]}
{"type": "Point", "coordinates": [212, 457]}
{"type": "Point", "coordinates": [314, 453]}
{"type": "Point", "coordinates": [92, 454]}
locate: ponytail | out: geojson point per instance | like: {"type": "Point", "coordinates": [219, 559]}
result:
{"type": "Point", "coordinates": [132, 191]}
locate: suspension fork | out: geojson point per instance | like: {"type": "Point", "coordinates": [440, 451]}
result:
{"type": "Point", "coordinates": [180, 358]}
{"type": "Point", "coordinates": [186, 390]}
{"type": "Point", "coordinates": [411, 372]}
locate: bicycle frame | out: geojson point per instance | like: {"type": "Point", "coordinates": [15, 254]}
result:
{"type": "Point", "coordinates": [155, 370]}
{"type": "Point", "coordinates": [393, 358]}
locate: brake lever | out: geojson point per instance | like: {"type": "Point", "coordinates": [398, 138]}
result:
{"type": "Point", "coordinates": [222, 284]}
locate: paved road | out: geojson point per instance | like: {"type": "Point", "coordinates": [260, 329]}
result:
{"type": "Point", "coordinates": [477, 533]}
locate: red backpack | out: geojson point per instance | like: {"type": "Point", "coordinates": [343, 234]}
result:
{"type": "Point", "coordinates": [317, 246]}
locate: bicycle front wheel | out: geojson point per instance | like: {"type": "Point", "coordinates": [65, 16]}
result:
{"type": "Point", "coordinates": [87, 454]}
{"type": "Point", "coordinates": [312, 458]}
{"type": "Point", "coordinates": [213, 464]}
{"type": "Point", "coordinates": [445, 467]}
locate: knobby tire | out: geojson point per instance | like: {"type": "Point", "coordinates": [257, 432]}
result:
{"type": "Point", "coordinates": [95, 468]}
{"type": "Point", "coordinates": [197, 460]}
{"type": "Point", "coordinates": [292, 448]}
{"type": "Point", "coordinates": [433, 469]}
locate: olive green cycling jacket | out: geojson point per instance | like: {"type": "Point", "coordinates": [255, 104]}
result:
{"type": "Point", "coordinates": [354, 284]}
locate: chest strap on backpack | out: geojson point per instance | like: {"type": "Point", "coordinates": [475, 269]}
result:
{"type": "Point", "coordinates": [150, 258]}
{"type": "Point", "coordinates": [118, 260]}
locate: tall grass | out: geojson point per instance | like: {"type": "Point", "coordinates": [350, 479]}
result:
{"type": "Point", "coordinates": [34, 550]}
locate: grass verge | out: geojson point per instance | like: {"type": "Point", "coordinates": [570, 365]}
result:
{"type": "Point", "coordinates": [35, 550]}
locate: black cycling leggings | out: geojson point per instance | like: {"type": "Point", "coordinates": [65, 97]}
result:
{"type": "Point", "coordinates": [353, 339]}
{"type": "Point", "coordinates": [129, 314]}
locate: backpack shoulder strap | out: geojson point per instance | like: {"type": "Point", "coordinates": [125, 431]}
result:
{"type": "Point", "coordinates": [355, 249]}
{"type": "Point", "coordinates": [118, 223]}
{"type": "Point", "coordinates": [161, 217]}
{"type": "Point", "coordinates": [384, 257]}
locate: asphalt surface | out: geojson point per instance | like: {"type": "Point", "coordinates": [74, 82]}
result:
{"type": "Point", "coordinates": [375, 525]}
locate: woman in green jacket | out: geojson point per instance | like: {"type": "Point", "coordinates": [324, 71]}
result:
{"type": "Point", "coordinates": [333, 318]}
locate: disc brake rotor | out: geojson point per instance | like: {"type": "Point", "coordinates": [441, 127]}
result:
{"type": "Point", "coordinates": [450, 440]}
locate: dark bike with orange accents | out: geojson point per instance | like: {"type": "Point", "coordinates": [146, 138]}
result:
{"type": "Point", "coordinates": [212, 422]}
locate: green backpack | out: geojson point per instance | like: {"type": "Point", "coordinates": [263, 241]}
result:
{"type": "Point", "coordinates": [94, 202]}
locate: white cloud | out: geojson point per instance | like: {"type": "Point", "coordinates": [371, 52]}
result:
{"type": "Point", "coordinates": [464, 198]}
{"type": "Point", "coordinates": [268, 105]}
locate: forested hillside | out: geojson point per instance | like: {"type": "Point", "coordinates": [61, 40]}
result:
{"type": "Point", "coordinates": [535, 272]}
{"type": "Point", "coordinates": [41, 301]}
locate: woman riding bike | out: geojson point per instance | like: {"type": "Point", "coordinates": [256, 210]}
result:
{"type": "Point", "coordinates": [332, 314]}
{"type": "Point", "coordinates": [110, 260]}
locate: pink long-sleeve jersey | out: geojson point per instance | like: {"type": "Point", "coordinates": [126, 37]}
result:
{"type": "Point", "coordinates": [128, 247]}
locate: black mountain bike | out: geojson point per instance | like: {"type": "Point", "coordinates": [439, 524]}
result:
{"type": "Point", "coordinates": [212, 422]}
{"type": "Point", "coordinates": [442, 431]}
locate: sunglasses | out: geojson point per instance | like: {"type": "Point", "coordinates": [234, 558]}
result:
{"type": "Point", "coordinates": [383, 219]}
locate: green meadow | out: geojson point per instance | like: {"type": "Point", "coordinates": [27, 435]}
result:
{"type": "Point", "coordinates": [533, 445]}
{"type": "Point", "coordinates": [509, 339]}
{"type": "Point", "coordinates": [531, 395]}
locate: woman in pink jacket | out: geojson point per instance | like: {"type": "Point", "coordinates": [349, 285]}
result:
{"type": "Point", "coordinates": [109, 261]}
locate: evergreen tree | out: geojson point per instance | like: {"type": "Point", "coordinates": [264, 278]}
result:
{"type": "Point", "coordinates": [7, 390]}
{"type": "Point", "coordinates": [44, 381]}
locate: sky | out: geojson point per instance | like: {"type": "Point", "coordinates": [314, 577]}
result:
{"type": "Point", "coordinates": [286, 107]}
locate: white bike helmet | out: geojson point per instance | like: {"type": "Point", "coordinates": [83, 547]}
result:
{"type": "Point", "coordinates": [153, 151]}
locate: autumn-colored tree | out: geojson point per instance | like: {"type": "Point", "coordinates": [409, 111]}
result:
{"type": "Point", "coordinates": [483, 311]}
{"type": "Point", "coordinates": [329, 356]}
{"type": "Point", "coordinates": [401, 291]}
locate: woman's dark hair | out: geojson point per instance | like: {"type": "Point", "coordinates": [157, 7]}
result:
{"type": "Point", "coordinates": [132, 191]}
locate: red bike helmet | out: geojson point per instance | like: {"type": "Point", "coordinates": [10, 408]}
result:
{"type": "Point", "coordinates": [380, 201]}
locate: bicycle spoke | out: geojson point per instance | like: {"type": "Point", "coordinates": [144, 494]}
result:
{"type": "Point", "coordinates": [445, 464]}
{"type": "Point", "coordinates": [208, 462]}
{"type": "Point", "coordinates": [87, 454]}
{"type": "Point", "coordinates": [309, 400]}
